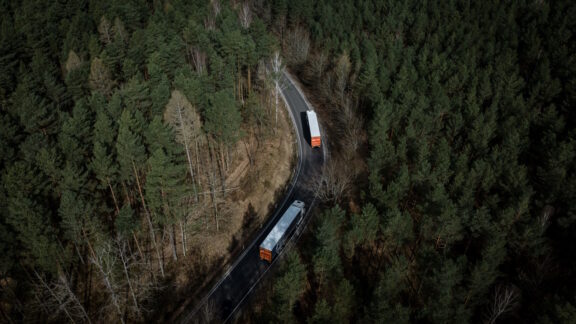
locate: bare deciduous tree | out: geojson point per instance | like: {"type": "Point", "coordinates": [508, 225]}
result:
{"type": "Point", "coordinates": [198, 58]}
{"type": "Point", "coordinates": [210, 23]}
{"type": "Point", "coordinates": [351, 127]}
{"type": "Point", "coordinates": [275, 74]}
{"type": "Point", "coordinates": [73, 62]}
{"type": "Point", "coordinates": [58, 295]}
{"type": "Point", "coordinates": [335, 182]}
{"type": "Point", "coordinates": [318, 64]}
{"type": "Point", "coordinates": [342, 71]}
{"type": "Point", "coordinates": [297, 45]}
{"type": "Point", "coordinates": [184, 208]}
{"type": "Point", "coordinates": [544, 219]}
{"type": "Point", "coordinates": [100, 79]}
{"type": "Point", "coordinates": [215, 7]}
{"type": "Point", "coordinates": [504, 300]}
{"type": "Point", "coordinates": [105, 262]}
{"type": "Point", "coordinates": [126, 259]}
{"type": "Point", "coordinates": [245, 15]}
{"type": "Point", "coordinates": [119, 30]}
{"type": "Point", "coordinates": [105, 30]}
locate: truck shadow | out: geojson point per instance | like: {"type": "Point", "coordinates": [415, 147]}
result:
{"type": "Point", "coordinates": [305, 127]}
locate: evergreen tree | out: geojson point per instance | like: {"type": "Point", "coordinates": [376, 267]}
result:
{"type": "Point", "coordinates": [326, 259]}
{"type": "Point", "coordinates": [223, 118]}
{"type": "Point", "coordinates": [290, 286]}
{"type": "Point", "coordinates": [129, 147]}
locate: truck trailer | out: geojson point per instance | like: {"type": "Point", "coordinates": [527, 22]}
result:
{"type": "Point", "coordinates": [276, 239]}
{"type": "Point", "coordinates": [315, 140]}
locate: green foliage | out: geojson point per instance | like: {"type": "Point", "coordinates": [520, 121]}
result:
{"type": "Point", "coordinates": [289, 286]}
{"type": "Point", "coordinates": [164, 186]}
{"type": "Point", "coordinates": [125, 222]}
{"type": "Point", "coordinates": [364, 228]}
{"type": "Point", "coordinates": [129, 146]}
{"type": "Point", "coordinates": [322, 313]}
{"type": "Point", "coordinates": [471, 155]}
{"type": "Point", "coordinates": [73, 212]}
{"type": "Point", "coordinates": [75, 135]}
{"type": "Point", "coordinates": [327, 259]}
{"type": "Point", "coordinates": [84, 151]}
{"type": "Point", "coordinates": [223, 118]}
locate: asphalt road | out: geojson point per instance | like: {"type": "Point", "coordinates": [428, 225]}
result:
{"type": "Point", "coordinates": [228, 294]}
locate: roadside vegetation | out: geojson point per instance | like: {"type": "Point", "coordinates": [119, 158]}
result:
{"type": "Point", "coordinates": [452, 126]}
{"type": "Point", "coordinates": [132, 137]}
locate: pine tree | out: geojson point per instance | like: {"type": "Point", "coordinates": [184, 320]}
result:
{"type": "Point", "coordinates": [364, 228]}
{"type": "Point", "coordinates": [75, 135]}
{"type": "Point", "coordinates": [164, 192]}
{"type": "Point", "coordinates": [223, 121]}
{"type": "Point", "coordinates": [35, 233]}
{"type": "Point", "coordinates": [74, 211]}
{"type": "Point", "coordinates": [290, 286]}
{"type": "Point", "coordinates": [327, 264]}
{"type": "Point", "coordinates": [129, 147]}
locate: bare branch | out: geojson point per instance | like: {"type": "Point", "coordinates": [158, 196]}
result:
{"type": "Point", "coordinates": [352, 126]}
{"type": "Point", "coordinates": [215, 7]}
{"type": "Point", "coordinates": [245, 15]}
{"type": "Point", "coordinates": [105, 262]}
{"type": "Point", "coordinates": [60, 297]}
{"type": "Point", "coordinates": [126, 259]}
{"type": "Point", "coordinates": [73, 62]}
{"type": "Point", "coordinates": [186, 122]}
{"type": "Point", "coordinates": [105, 30]}
{"type": "Point", "coordinates": [275, 74]}
{"type": "Point", "coordinates": [505, 300]}
{"type": "Point", "coordinates": [100, 79]}
{"type": "Point", "coordinates": [198, 59]}
{"type": "Point", "coordinates": [342, 71]}
{"type": "Point", "coordinates": [335, 182]}
{"type": "Point", "coordinates": [297, 45]}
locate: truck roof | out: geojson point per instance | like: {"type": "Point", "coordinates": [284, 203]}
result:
{"type": "Point", "coordinates": [313, 122]}
{"type": "Point", "coordinates": [282, 226]}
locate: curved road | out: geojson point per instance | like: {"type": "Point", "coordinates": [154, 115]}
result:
{"type": "Point", "coordinates": [237, 283]}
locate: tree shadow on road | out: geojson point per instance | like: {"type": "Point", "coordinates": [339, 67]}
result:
{"type": "Point", "coordinates": [172, 301]}
{"type": "Point", "coordinates": [249, 222]}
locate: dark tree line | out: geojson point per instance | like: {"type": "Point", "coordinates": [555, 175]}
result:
{"type": "Point", "coordinates": [467, 210]}
{"type": "Point", "coordinates": [114, 117]}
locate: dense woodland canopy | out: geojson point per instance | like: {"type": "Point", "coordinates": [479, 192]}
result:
{"type": "Point", "coordinates": [114, 117]}
{"type": "Point", "coordinates": [467, 200]}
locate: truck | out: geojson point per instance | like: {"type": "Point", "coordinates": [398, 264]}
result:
{"type": "Point", "coordinates": [315, 140]}
{"type": "Point", "coordinates": [278, 236]}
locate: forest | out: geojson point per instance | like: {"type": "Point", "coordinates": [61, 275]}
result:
{"type": "Point", "coordinates": [448, 197]}
{"type": "Point", "coordinates": [119, 123]}
{"type": "Point", "coordinates": [458, 201]}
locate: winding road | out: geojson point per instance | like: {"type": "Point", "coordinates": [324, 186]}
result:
{"type": "Point", "coordinates": [228, 294]}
